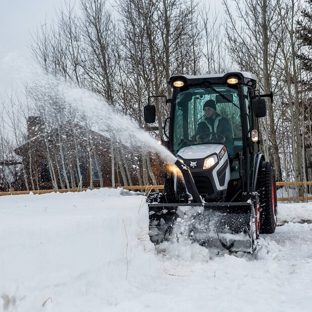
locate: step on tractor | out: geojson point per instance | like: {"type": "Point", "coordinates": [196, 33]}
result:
{"type": "Point", "coordinates": [221, 191]}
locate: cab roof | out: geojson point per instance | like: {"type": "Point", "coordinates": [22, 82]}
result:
{"type": "Point", "coordinates": [244, 77]}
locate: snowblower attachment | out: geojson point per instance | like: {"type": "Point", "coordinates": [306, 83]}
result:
{"type": "Point", "coordinates": [221, 224]}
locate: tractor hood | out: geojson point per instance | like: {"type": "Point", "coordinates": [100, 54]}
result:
{"type": "Point", "coordinates": [199, 151]}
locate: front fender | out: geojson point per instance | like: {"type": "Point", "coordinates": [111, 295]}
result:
{"type": "Point", "coordinates": [256, 166]}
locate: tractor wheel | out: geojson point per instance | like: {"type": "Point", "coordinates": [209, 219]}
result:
{"type": "Point", "coordinates": [169, 191]}
{"type": "Point", "coordinates": [268, 202]}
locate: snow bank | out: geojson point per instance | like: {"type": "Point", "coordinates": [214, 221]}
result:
{"type": "Point", "coordinates": [55, 239]}
{"type": "Point", "coordinates": [294, 212]}
{"type": "Point", "coordinates": [90, 252]}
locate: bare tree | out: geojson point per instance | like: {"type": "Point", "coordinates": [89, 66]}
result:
{"type": "Point", "coordinates": [99, 34]}
{"type": "Point", "coordinates": [159, 38]}
{"type": "Point", "coordinates": [215, 58]}
{"type": "Point", "coordinates": [81, 47]}
{"type": "Point", "coordinates": [288, 12]}
{"type": "Point", "coordinates": [253, 47]}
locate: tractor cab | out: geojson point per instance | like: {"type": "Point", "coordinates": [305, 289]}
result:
{"type": "Point", "coordinates": [233, 95]}
{"type": "Point", "coordinates": [218, 148]}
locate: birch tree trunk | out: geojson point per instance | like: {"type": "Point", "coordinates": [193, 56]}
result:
{"type": "Point", "coordinates": [267, 86]}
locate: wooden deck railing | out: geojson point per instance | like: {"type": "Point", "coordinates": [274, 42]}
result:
{"type": "Point", "coordinates": [148, 188]}
{"type": "Point", "coordinates": [293, 183]}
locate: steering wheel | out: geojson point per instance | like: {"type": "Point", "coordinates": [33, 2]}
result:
{"type": "Point", "coordinates": [210, 137]}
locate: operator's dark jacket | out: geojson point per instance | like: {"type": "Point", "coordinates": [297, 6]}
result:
{"type": "Point", "coordinates": [218, 124]}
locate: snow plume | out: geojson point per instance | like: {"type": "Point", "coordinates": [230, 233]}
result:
{"type": "Point", "coordinates": [15, 71]}
{"type": "Point", "coordinates": [107, 120]}
{"type": "Point", "coordinates": [89, 109]}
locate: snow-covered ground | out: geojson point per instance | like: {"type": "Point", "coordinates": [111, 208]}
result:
{"type": "Point", "coordinates": [90, 251]}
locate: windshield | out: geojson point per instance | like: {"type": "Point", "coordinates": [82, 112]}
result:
{"type": "Point", "coordinates": [207, 115]}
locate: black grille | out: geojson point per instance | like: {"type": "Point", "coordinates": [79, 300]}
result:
{"type": "Point", "coordinates": [203, 185]}
{"type": "Point", "coordinates": [221, 173]}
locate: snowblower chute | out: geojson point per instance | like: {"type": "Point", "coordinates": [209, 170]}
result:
{"type": "Point", "coordinates": [224, 192]}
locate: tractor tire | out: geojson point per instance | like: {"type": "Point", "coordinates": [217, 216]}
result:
{"type": "Point", "coordinates": [268, 201]}
{"type": "Point", "coordinates": [169, 192]}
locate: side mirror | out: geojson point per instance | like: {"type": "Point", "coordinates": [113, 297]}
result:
{"type": "Point", "coordinates": [259, 107]}
{"type": "Point", "coordinates": [149, 113]}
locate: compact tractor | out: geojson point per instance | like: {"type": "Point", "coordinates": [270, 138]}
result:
{"type": "Point", "coordinates": [216, 193]}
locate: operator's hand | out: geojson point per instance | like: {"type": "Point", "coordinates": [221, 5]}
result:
{"type": "Point", "coordinates": [198, 139]}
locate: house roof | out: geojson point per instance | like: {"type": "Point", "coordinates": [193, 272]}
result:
{"type": "Point", "coordinates": [39, 141]}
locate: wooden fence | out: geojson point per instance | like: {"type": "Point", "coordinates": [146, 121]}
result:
{"type": "Point", "coordinates": [305, 198]}
{"type": "Point", "coordinates": [148, 188]}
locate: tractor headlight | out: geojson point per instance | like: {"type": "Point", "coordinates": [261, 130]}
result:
{"type": "Point", "coordinates": [232, 80]}
{"type": "Point", "coordinates": [179, 83]}
{"type": "Point", "coordinates": [210, 161]}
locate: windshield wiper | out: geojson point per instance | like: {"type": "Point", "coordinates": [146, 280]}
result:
{"type": "Point", "coordinates": [206, 84]}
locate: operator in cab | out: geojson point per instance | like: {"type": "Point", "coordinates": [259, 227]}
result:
{"type": "Point", "coordinates": [215, 128]}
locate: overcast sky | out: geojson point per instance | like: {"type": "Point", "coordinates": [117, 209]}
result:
{"type": "Point", "coordinates": [21, 18]}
